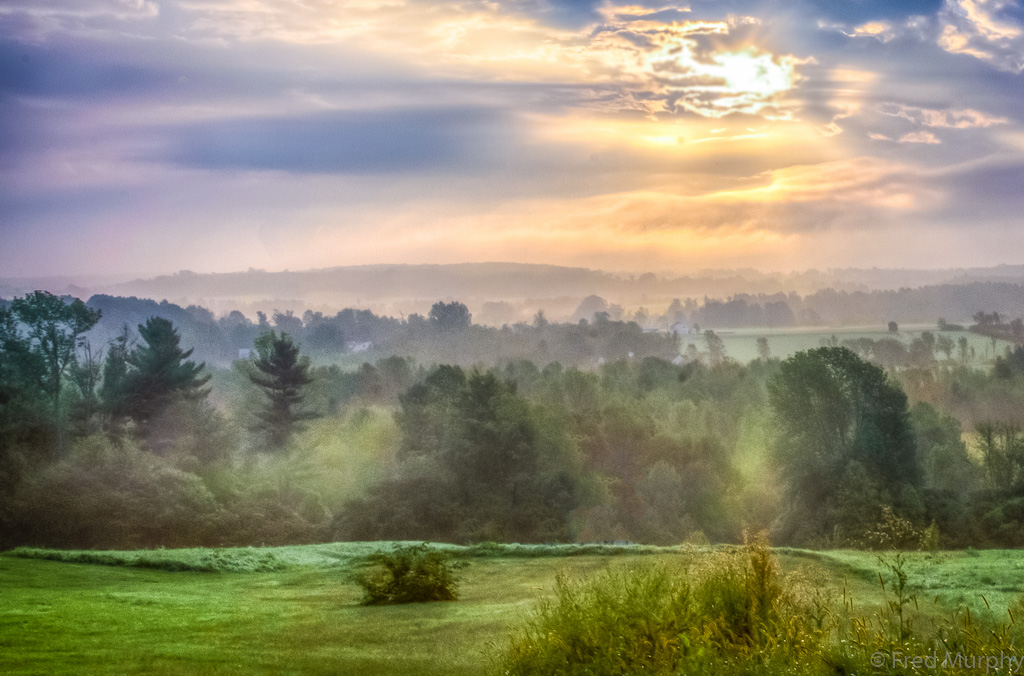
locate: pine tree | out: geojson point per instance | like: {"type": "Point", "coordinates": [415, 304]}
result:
{"type": "Point", "coordinates": [282, 374]}
{"type": "Point", "coordinates": [159, 371]}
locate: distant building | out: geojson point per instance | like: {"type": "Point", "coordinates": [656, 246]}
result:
{"type": "Point", "coordinates": [359, 347]}
{"type": "Point", "coordinates": [682, 328]}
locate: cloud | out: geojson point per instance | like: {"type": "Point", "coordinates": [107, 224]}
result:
{"type": "Point", "coordinates": [36, 20]}
{"type": "Point", "coordinates": [339, 142]}
{"type": "Point", "coordinates": [656, 61]}
{"type": "Point", "coordinates": [951, 118]}
{"type": "Point", "coordinates": [865, 11]}
{"type": "Point", "coordinates": [881, 30]}
{"type": "Point", "coordinates": [989, 30]}
{"type": "Point", "coordinates": [70, 69]}
{"type": "Point", "coordinates": [862, 181]}
{"type": "Point", "coordinates": [534, 128]}
{"type": "Point", "coordinates": [919, 137]}
{"type": "Point", "coordinates": [77, 13]}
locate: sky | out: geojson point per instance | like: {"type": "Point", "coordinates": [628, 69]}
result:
{"type": "Point", "coordinates": [148, 136]}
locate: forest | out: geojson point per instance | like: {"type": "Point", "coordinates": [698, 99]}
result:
{"type": "Point", "coordinates": [445, 430]}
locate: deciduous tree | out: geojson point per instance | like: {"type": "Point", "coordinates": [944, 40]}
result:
{"type": "Point", "coordinates": [53, 328]}
{"type": "Point", "coordinates": [452, 316]}
{"type": "Point", "coordinates": [839, 417]}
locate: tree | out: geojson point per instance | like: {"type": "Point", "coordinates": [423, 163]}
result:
{"type": "Point", "coordinates": [716, 347]}
{"type": "Point", "coordinates": [159, 371]}
{"type": "Point", "coordinates": [85, 374]}
{"type": "Point", "coordinates": [945, 345]}
{"type": "Point", "coordinates": [282, 374]}
{"type": "Point", "coordinates": [477, 462]}
{"type": "Point", "coordinates": [452, 316]}
{"type": "Point", "coordinates": [894, 327]}
{"type": "Point", "coordinates": [1011, 365]}
{"type": "Point", "coordinates": [764, 352]}
{"type": "Point", "coordinates": [25, 424]}
{"type": "Point", "coordinates": [841, 419]}
{"type": "Point", "coordinates": [53, 330]}
{"type": "Point", "coordinates": [962, 348]}
{"type": "Point", "coordinates": [113, 390]}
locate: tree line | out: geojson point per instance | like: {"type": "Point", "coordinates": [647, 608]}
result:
{"type": "Point", "coordinates": [138, 444]}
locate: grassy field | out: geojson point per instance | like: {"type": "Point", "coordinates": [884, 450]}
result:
{"type": "Point", "coordinates": [297, 612]}
{"type": "Point", "coordinates": [741, 344]}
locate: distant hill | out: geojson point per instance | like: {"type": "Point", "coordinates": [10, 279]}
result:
{"type": "Point", "coordinates": [506, 290]}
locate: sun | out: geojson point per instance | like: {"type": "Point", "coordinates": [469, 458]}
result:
{"type": "Point", "coordinates": [750, 72]}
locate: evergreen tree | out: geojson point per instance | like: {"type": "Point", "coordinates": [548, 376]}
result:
{"type": "Point", "coordinates": [157, 372]}
{"type": "Point", "coordinates": [282, 374]}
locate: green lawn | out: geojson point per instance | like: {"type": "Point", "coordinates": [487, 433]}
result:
{"type": "Point", "coordinates": [304, 618]}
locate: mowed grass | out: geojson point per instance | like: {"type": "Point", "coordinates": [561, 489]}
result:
{"type": "Point", "coordinates": [73, 618]}
{"type": "Point", "coordinates": [305, 618]}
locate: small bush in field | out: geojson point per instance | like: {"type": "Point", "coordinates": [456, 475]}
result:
{"type": "Point", "coordinates": [409, 575]}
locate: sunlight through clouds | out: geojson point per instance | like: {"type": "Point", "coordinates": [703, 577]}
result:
{"type": "Point", "coordinates": [534, 129]}
{"type": "Point", "coordinates": [661, 67]}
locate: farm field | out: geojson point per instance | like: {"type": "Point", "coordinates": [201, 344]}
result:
{"type": "Point", "coordinates": [741, 344]}
{"type": "Point", "coordinates": [297, 612]}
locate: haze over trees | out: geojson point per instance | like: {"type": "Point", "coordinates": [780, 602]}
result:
{"type": "Point", "coordinates": [505, 282]}
{"type": "Point", "coordinates": [542, 431]}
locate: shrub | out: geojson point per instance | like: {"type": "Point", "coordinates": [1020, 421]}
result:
{"type": "Point", "coordinates": [893, 532]}
{"type": "Point", "coordinates": [409, 575]}
{"type": "Point", "coordinates": [730, 615]}
{"type": "Point", "coordinates": [235, 560]}
{"type": "Point", "coordinates": [735, 614]}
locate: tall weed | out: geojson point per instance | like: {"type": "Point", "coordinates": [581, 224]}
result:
{"type": "Point", "coordinates": [733, 613]}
